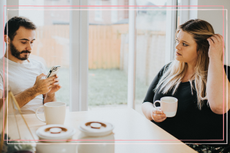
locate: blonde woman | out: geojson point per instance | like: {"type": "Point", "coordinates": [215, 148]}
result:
{"type": "Point", "coordinates": [196, 79]}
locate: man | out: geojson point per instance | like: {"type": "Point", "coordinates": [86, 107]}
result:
{"type": "Point", "coordinates": [26, 77]}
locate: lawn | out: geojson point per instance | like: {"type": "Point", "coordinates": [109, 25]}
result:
{"type": "Point", "coordinates": [106, 87]}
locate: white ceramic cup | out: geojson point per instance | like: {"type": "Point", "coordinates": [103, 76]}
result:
{"type": "Point", "coordinates": [168, 105]}
{"type": "Point", "coordinates": [54, 112]}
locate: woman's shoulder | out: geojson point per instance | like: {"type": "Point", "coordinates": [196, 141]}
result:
{"type": "Point", "coordinates": [226, 67]}
{"type": "Point", "coordinates": [165, 68]}
{"type": "Point", "coordinates": [227, 71]}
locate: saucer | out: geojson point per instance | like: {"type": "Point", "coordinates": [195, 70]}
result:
{"type": "Point", "coordinates": [55, 132]}
{"type": "Point", "coordinates": [96, 128]}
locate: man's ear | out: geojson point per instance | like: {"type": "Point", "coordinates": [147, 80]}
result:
{"type": "Point", "coordinates": [6, 39]}
{"type": "Point", "coordinates": [198, 51]}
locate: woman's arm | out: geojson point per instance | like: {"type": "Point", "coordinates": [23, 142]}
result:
{"type": "Point", "coordinates": [147, 107]}
{"type": "Point", "coordinates": [218, 102]}
{"type": "Point", "coordinates": [151, 113]}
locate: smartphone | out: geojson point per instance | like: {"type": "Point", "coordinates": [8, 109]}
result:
{"type": "Point", "coordinates": [54, 70]}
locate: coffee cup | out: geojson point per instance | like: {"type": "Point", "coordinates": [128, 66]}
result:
{"type": "Point", "coordinates": [54, 112]}
{"type": "Point", "coordinates": [168, 105]}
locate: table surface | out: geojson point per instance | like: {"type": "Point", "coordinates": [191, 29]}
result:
{"type": "Point", "coordinates": [132, 131]}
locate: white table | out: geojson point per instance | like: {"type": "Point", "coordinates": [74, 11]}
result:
{"type": "Point", "coordinates": [133, 133]}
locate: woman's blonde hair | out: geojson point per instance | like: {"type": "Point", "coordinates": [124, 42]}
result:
{"type": "Point", "coordinates": [171, 79]}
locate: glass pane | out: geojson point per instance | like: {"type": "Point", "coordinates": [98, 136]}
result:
{"type": "Point", "coordinates": [52, 39]}
{"type": "Point", "coordinates": [108, 50]}
{"type": "Point", "coordinates": [150, 45]}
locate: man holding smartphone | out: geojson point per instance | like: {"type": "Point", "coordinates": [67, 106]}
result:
{"type": "Point", "coordinates": [25, 76]}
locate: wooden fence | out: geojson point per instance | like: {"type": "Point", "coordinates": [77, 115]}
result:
{"type": "Point", "coordinates": [104, 46]}
{"type": "Point", "coordinates": [52, 44]}
{"type": "Point", "coordinates": [108, 48]}
{"type": "Point", "coordinates": [150, 54]}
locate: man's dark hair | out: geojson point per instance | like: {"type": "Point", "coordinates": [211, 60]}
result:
{"type": "Point", "coordinates": [15, 23]}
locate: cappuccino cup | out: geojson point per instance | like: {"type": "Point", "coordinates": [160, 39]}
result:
{"type": "Point", "coordinates": [54, 112]}
{"type": "Point", "coordinates": [168, 105]}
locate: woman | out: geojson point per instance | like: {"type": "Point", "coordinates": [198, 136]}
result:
{"type": "Point", "coordinates": [195, 78]}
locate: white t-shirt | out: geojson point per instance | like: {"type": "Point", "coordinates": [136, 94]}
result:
{"type": "Point", "coordinates": [20, 77]}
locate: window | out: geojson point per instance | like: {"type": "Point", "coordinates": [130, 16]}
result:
{"type": "Point", "coordinates": [153, 27]}
{"type": "Point", "coordinates": [98, 12]}
{"type": "Point", "coordinates": [52, 40]}
{"type": "Point", "coordinates": [107, 44]}
{"type": "Point", "coordinates": [107, 78]}
{"type": "Point", "coordinates": [114, 12]}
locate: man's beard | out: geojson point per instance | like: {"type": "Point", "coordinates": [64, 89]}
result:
{"type": "Point", "coordinates": [16, 53]}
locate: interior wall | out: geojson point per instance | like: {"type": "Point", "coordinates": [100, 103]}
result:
{"type": "Point", "coordinates": [11, 11]}
{"type": "Point", "coordinates": [2, 43]}
{"type": "Point", "coordinates": [215, 17]}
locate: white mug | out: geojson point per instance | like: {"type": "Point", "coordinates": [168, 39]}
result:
{"type": "Point", "coordinates": [54, 112]}
{"type": "Point", "coordinates": [168, 105]}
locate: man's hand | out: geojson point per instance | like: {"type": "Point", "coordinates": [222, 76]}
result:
{"type": "Point", "coordinates": [43, 86]}
{"type": "Point", "coordinates": [55, 86]}
{"type": "Point", "coordinates": [50, 96]}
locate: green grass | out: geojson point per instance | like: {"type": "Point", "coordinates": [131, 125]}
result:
{"type": "Point", "coordinates": [105, 87]}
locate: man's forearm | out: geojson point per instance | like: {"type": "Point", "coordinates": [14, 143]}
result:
{"type": "Point", "coordinates": [26, 96]}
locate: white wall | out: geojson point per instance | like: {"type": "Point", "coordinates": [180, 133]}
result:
{"type": "Point", "coordinates": [8, 14]}
{"type": "Point", "coordinates": [215, 17]}
{"type": "Point", "coordinates": [12, 11]}
{"type": "Point", "coordinates": [36, 16]}
{"type": "Point", "coordinates": [2, 3]}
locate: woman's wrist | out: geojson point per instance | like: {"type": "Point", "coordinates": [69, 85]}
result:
{"type": "Point", "coordinates": [215, 60]}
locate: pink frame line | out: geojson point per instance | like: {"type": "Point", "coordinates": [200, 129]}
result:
{"type": "Point", "coordinates": [81, 6]}
{"type": "Point", "coordinates": [114, 6]}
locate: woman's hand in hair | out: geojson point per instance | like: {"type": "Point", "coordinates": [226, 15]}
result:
{"type": "Point", "coordinates": [216, 47]}
{"type": "Point", "coordinates": [158, 115]}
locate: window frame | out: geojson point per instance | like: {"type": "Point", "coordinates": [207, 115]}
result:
{"type": "Point", "coordinates": [171, 19]}
{"type": "Point", "coordinates": [79, 57]}
{"type": "Point", "coordinates": [79, 54]}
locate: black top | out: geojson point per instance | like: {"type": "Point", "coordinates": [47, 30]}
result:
{"type": "Point", "coordinates": [190, 124]}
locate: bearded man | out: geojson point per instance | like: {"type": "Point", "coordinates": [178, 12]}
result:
{"type": "Point", "coordinates": [24, 76]}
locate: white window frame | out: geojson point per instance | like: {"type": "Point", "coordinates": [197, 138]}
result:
{"type": "Point", "coordinates": [79, 54]}
{"type": "Point", "coordinates": [132, 56]}
{"type": "Point", "coordinates": [79, 57]}
{"type": "Point", "coordinates": [171, 20]}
